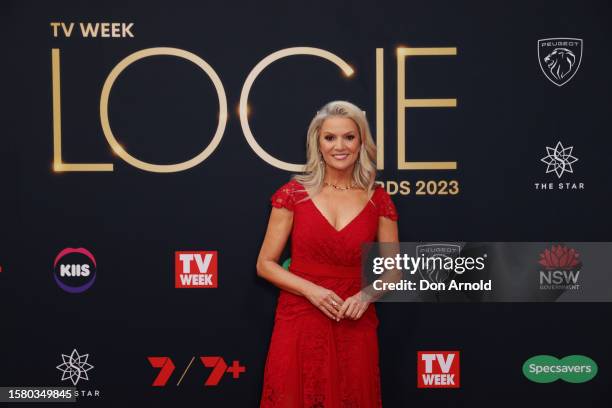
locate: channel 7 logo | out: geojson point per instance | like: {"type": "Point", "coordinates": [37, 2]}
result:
{"type": "Point", "coordinates": [438, 369]}
{"type": "Point", "coordinates": [218, 365]}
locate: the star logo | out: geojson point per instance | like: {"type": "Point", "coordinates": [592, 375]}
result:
{"type": "Point", "coordinates": [75, 367]}
{"type": "Point", "coordinates": [559, 159]}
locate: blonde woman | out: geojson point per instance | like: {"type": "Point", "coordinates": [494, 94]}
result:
{"type": "Point", "coordinates": [324, 347]}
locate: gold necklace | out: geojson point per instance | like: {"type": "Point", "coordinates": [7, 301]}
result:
{"type": "Point", "coordinates": [339, 187]}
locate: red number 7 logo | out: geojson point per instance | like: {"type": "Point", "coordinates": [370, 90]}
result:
{"type": "Point", "coordinates": [219, 368]}
{"type": "Point", "coordinates": [218, 365]}
{"type": "Point", "coordinates": [167, 368]}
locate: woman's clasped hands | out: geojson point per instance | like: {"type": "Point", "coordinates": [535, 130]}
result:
{"type": "Point", "coordinates": [332, 305]}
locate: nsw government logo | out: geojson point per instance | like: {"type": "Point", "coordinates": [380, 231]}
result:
{"type": "Point", "coordinates": [438, 369]}
{"type": "Point", "coordinates": [560, 58]}
{"type": "Point", "coordinates": [195, 269]}
{"type": "Point", "coordinates": [561, 268]}
{"type": "Point", "coordinates": [74, 270]}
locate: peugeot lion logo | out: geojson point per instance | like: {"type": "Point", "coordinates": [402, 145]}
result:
{"type": "Point", "coordinates": [560, 58]}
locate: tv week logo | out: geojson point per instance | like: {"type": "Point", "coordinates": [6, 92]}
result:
{"type": "Point", "coordinates": [438, 369]}
{"type": "Point", "coordinates": [195, 269]}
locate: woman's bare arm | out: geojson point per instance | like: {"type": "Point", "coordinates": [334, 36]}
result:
{"type": "Point", "coordinates": [277, 234]}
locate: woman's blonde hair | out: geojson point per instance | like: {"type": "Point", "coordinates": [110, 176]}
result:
{"type": "Point", "coordinates": [364, 173]}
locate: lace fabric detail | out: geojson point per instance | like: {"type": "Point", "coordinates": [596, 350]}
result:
{"type": "Point", "coordinates": [288, 195]}
{"type": "Point", "coordinates": [339, 249]}
{"type": "Point", "coordinates": [384, 204]}
{"type": "Point", "coordinates": [316, 349]}
{"type": "Point", "coordinates": [292, 193]}
{"type": "Point", "coordinates": [314, 362]}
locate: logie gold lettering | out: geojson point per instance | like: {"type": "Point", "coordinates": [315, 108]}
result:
{"type": "Point", "coordinates": [402, 104]}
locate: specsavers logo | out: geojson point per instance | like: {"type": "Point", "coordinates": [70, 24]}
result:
{"type": "Point", "coordinates": [572, 369]}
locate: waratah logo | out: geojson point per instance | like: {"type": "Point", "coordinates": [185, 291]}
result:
{"type": "Point", "coordinates": [561, 268]}
{"type": "Point", "coordinates": [559, 257]}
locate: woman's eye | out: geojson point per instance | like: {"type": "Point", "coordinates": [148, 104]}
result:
{"type": "Point", "coordinates": [350, 137]}
{"type": "Point", "coordinates": [329, 138]}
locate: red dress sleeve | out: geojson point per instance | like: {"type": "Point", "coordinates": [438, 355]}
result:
{"type": "Point", "coordinates": [383, 203]}
{"type": "Point", "coordinates": [285, 196]}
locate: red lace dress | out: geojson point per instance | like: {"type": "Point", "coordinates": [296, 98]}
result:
{"type": "Point", "coordinates": [314, 361]}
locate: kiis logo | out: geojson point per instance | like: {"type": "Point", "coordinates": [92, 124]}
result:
{"type": "Point", "coordinates": [438, 369]}
{"type": "Point", "coordinates": [195, 269]}
{"type": "Point", "coordinates": [74, 270]}
{"type": "Point", "coordinates": [562, 268]}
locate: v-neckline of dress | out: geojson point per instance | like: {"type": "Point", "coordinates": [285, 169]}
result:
{"type": "Point", "coordinates": [349, 223]}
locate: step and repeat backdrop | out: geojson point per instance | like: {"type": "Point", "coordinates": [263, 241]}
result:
{"type": "Point", "coordinates": [142, 142]}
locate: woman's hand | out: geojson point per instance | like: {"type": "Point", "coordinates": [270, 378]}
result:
{"type": "Point", "coordinates": [355, 306]}
{"type": "Point", "coordinates": [325, 300]}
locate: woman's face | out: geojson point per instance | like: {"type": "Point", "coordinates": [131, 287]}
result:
{"type": "Point", "coordinates": [339, 142]}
